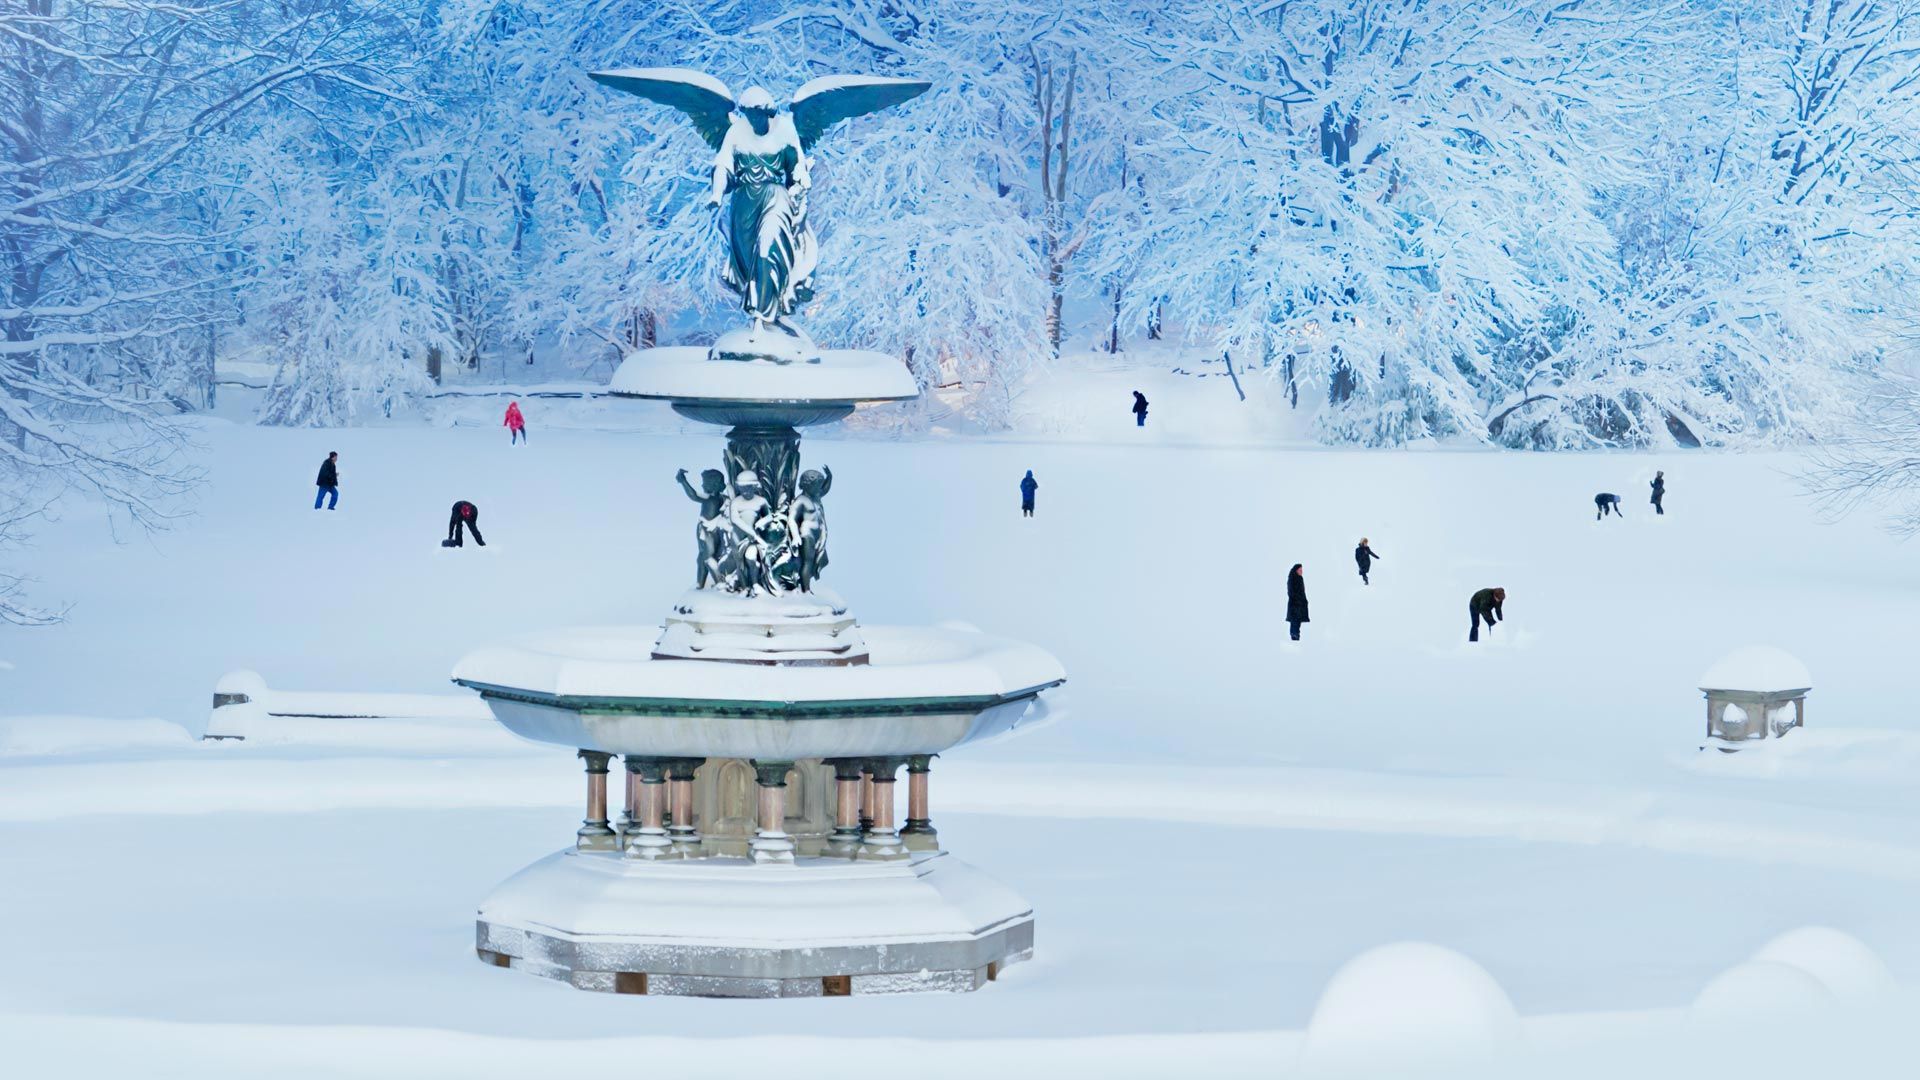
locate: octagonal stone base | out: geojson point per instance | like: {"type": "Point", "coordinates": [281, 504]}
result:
{"type": "Point", "coordinates": [722, 927]}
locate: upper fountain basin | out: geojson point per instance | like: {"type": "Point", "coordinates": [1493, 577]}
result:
{"type": "Point", "coordinates": [748, 391]}
{"type": "Point", "coordinates": [925, 690]}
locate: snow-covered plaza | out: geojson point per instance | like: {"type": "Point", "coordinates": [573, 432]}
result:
{"type": "Point", "coordinates": [1211, 825]}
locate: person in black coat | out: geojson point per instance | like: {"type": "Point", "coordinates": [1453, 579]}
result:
{"type": "Point", "coordinates": [1296, 601]}
{"type": "Point", "coordinates": [1027, 487]}
{"type": "Point", "coordinates": [328, 481]}
{"type": "Point", "coordinates": [1139, 409]}
{"type": "Point", "coordinates": [1604, 502]}
{"type": "Point", "coordinates": [1486, 606]}
{"type": "Point", "coordinates": [1659, 492]}
{"type": "Point", "coordinates": [466, 515]}
{"type": "Point", "coordinates": [1364, 556]}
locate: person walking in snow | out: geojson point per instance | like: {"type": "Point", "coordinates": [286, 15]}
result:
{"type": "Point", "coordinates": [1027, 487]}
{"type": "Point", "coordinates": [1604, 502]}
{"type": "Point", "coordinates": [1296, 601]}
{"type": "Point", "coordinates": [1364, 556]}
{"type": "Point", "coordinates": [1488, 606]}
{"type": "Point", "coordinates": [1139, 409]}
{"type": "Point", "coordinates": [1659, 492]}
{"type": "Point", "coordinates": [465, 515]}
{"type": "Point", "coordinates": [328, 481]}
{"type": "Point", "coordinates": [516, 423]}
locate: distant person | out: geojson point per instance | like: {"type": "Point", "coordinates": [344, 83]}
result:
{"type": "Point", "coordinates": [1027, 488]}
{"type": "Point", "coordinates": [465, 516]}
{"type": "Point", "coordinates": [329, 481]}
{"type": "Point", "coordinates": [1485, 606]}
{"type": "Point", "coordinates": [1139, 409]}
{"type": "Point", "coordinates": [1604, 503]}
{"type": "Point", "coordinates": [1296, 601]}
{"type": "Point", "coordinates": [516, 423]}
{"type": "Point", "coordinates": [1659, 492]}
{"type": "Point", "coordinates": [1364, 556]}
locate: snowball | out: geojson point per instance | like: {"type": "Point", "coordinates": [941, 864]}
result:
{"type": "Point", "coordinates": [1761, 669]}
{"type": "Point", "coordinates": [1408, 1002]}
{"type": "Point", "coordinates": [1760, 988]}
{"type": "Point", "coordinates": [1841, 962]}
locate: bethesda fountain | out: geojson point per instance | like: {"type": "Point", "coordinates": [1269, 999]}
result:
{"type": "Point", "coordinates": [760, 728]}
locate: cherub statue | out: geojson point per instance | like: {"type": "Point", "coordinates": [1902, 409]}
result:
{"type": "Point", "coordinates": [809, 524]}
{"type": "Point", "coordinates": [711, 532]}
{"type": "Point", "coordinates": [747, 512]}
{"type": "Point", "coordinates": [761, 171]}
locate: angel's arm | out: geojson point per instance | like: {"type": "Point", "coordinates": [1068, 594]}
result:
{"type": "Point", "coordinates": [688, 488]}
{"type": "Point", "coordinates": [826, 473]}
{"type": "Point", "coordinates": [722, 170]}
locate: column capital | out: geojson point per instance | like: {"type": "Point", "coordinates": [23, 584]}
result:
{"type": "Point", "coordinates": [920, 763]}
{"type": "Point", "coordinates": [848, 768]}
{"type": "Point", "coordinates": [683, 768]}
{"type": "Point", "coordinates": [884, 769]}
{"type": "Point", "coordinates": [771, 773]}
{"type": "Point", "coordinates": [651, 770]}
{"type": "Point", "coordinates": [596, 760]}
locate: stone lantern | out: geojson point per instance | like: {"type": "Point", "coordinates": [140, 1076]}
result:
{"type": "Point", "coordinates": [1754, 694]}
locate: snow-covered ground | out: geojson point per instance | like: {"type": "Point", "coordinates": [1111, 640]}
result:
{"type": "Point", "coordinates": [1216, 822]}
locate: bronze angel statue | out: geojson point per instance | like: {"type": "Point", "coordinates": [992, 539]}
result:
{"type": "Point", "coordinates": [760, 171]}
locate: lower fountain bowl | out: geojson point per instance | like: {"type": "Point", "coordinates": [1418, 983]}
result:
{"type": "Point", "coordinates": [731, 928]}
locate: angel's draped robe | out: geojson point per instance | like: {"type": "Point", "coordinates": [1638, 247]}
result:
{"type": "Point", "coordinates": [766, 231]}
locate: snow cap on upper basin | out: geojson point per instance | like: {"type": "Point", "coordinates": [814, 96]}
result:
{"type": "Point", "coordinates": [906, 662]}
{"type": "Point", "coordinates": [684, 373]}
{"type": "Point", "coordinates": [1761, 669]}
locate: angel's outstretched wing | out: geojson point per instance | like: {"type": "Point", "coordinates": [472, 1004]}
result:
{"type": "Point", "coordinates": [822, 103]}
{"type": "Point", "coordinates": [705, 99]}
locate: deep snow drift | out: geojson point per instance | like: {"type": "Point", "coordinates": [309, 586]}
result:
{"type": "Point", "coordinates": [1216, 823]}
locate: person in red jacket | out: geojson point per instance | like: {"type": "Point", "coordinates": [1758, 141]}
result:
{"type": "Point", "coordinates": [516, 423]}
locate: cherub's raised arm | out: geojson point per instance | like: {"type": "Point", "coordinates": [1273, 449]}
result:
{"type": "Point", "coordinates": [826, 474]}
{"type": "Point", "coordinates": [688, 488]}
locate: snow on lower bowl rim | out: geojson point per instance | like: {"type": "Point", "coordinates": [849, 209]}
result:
{"type": "Point", "coordinates": [906, 662]}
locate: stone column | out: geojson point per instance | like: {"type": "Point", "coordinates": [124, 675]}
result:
{"type": "Point", "coordinates": [848, 778]}
{"type": "Point", "coordinates": [771, 844]}
{"type": "Point", "coordinates": [595, 834]}
{"type": "Point", "coordinates": [919, 835]}
{"type": "Point", "coordinates": [686, 838]}
{"type": "Point", "coordinates": [866, 797]}
{"type": "Point", "coordinates": [882, 839]}
{"type": "Point", "coordinates": [630, 809]}
{"type": "Point", "coordinates": [650, 841]}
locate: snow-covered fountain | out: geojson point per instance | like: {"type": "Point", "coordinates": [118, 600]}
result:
{"type": "Point", "coordinates": [762, 728]}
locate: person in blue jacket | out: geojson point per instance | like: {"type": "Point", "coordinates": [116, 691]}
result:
{"type": "Point", "coordinates": [1027, 488]}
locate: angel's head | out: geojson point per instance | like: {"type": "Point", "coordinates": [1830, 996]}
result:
{"type": "Point", "coordinates": [758, 107]}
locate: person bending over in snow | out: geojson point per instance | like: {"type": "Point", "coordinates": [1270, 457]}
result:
{"type": "Point", "coordinates": [1027, 487]}
{"type": "Point", "coordinates": [1296, 601]}
{"type": "Point", "coordinates": [1659, 492]}
{"type": "Point", "coordinates": [465, 516]}
{"type": "Point", "coordinates": [1364, 556]}
{"type": "Point", "coordinates": [1139, 409]}
{"type": "Point", "coordinates": [1486, 606]}
{"type": "Point", "coordinates": [1604, 502]}
{"type": "Point", "coordinates": [329, 481]}
{"type": "Point", "coordinates": [516, 423]}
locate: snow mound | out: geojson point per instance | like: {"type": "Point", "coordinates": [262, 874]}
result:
{"type": "Point", "coordinates": [1406, 1003]}
{"type": "Point", "coordinates": [1760, 988]}
{"type": "Point", "coordinates": [1843, 964]}
{"type": "Point", "coordinates": [24, 736]}
{"type": "Point", "coordinates": [1759, 668]}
